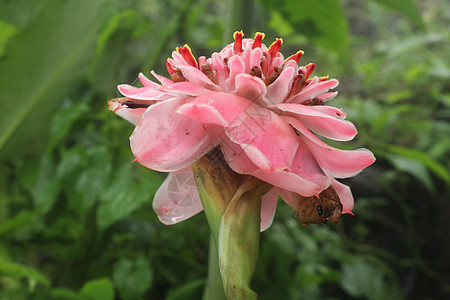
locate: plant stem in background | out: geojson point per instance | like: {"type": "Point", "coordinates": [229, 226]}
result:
{"type": "Point", "coordinates": [239, 16]}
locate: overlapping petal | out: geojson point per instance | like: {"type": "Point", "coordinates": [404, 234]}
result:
{"type": "Point", "coordinates": [268, 207]}
{"type": "Point", "coordinates": [132, 115]}
{"type": "Point", "coordinates": [166, 141]}
{"type": "Point", "coordinates": [345, 195]}
{"type": "Point", "coordinates": [319, 122]}
{"type": "Point", "coordinates": [142, 93]}
{"type": "Point", "coordinates": [305, 178]}
{"type": "Point", "coordinates": [266, 139]}
{"type": "Point", "coordinates": [336, 162]}
{"type": "Point", "coordinates": [250, 87]}
{"type": "Point", "coordinates": [314, 89]}
{"type": "Point", "coordinates": [177, 199]}
{"type": "Point", "coordinates": [280, 88]}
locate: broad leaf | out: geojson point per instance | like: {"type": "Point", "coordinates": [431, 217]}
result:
{"type": "Point", "coordinates": [98, 289]}
{"type": "Point", "coordinates": [321, 21]}
{"type": "Point", "coordinates": [39, 64]}
{"type": "Point", "coordinates": [406, 7]}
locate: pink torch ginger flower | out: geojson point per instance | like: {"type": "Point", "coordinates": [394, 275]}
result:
{"type": "Point", "coordinates": [263, 111]}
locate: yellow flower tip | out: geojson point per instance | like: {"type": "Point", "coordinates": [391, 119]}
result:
{"type": "Point", "coordinates": [275, 47]}
{"type": "Point", "coordinates": [258, 40]}
{"type": "Point", "coordinates": [296, 56]}
{"type": "Point", "coordinates": [323, 78]}
{"type": "Point", "coordinates": [260, 35]}
{"type": "Point", "coordinates": [238, 34]}
{"type": "Point", "coordinates": [186, 53]}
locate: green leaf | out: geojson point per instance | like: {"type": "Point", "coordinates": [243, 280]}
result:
{"type": "Point", "coordinates": [111, 51]}
{"type": "Point", "coordinates": [47, 186]}
{"type": "Point", "coordinates": [424, 159]}
{"type": "Point", "coordinates": [367, 277]}
{"type": "Point", "coordinates": [65, 294]}
{"type": "Point", "coordinates": [20, 220]}
{"type": "Point", "coordinates": [93, 180]}
{"type": "Point", "coordinates": [39, 65]}
{"type": "Point", "coordinates": [407, 8]}
{"type": "Point", "coordinates": [185, 291]}
{"type": "Point", "coordinates": [7, 31]}
{"type": "Point", "coordinates": [64, 119]}
{"type": "Point", "coordinates": [324, 21]}
{"type": "Point", "coordinates": [125, 194]}
{"type": "Point", "coordinates": [21, 12]}
{"type": "Point", "coordinates": [21, 271]}
{"type": "Point", "coordinates": [98, 289]}
{"type": "Point", "coordinates": [132, 277]}
{"type": "Point", "coordinates": [414, 168]}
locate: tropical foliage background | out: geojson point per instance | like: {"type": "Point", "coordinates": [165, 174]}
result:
{"type": "Point", "coordinates": [76, 220]}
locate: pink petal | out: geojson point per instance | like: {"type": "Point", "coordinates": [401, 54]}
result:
{"type": "Point", "coordinates": [255, 58]}
{"type": "Point", "coordinates": [177, 199]}
{"type": "Point", "coordinates": [268, 207]}
{"type": "Point", "coordinates": [345, 196]}
{"type": "Point", "coordinates": [280, 88]}
{"type": "Point", "coordinates": [132, 115]}
{"type": "Point", "coordinates": [221, 70]}
{"type": "Point", "coordinates": [142, 93]}
{"type": "Point", "coordinates": [179, 60]}
{"type": "Point", "coordinates": [147, 82]}
{"type": "Point", "coordinates": [245, 56]}
{"type": "Point", "coordinates": [327, 96]}
{"type": "Point", "coordinates": [266, 138]}
{"type": "Point", "coordinates": [336, 162]}
{"type": "Point", "coordinates": [330, 110]}
{"type": "Point", "coordinates": [202, 60]}
{"type": "Point", "coordinates": [162, 79]}
{"type": "Point", "coordinates": [166, 141]}
{"type": "Point", "coordinates": [320, 123]}
{"type": "Point", "coordinates": [236, 66]}
{"type": "Point", "coordinates": [304, 164]}
{"type": "Point", "coordinates": [218, 108]}
{"type": "Point", "coordinates": [184, 88]}
{"type": "Point", "coordinates": [278, 61]}
{"type": "Point", "coordinates": [250, 87]}
{"type": "Point", "coordinates": [314, 89]}
{"type": "Point", "coordinates": [196, 76]}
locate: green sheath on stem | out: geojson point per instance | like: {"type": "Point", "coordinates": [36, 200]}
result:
{"type": "Point", "coordinates": [232, 205]}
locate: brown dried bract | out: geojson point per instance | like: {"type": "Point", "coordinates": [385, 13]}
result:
{"type": "Point", "coordinates": [273, 76]}
{"type": "Point", "coordinates": [177, 77]}
{"type": "Point", "coordinates": [315, 210]}
{"type": "Point", "coordinates": [206, 69]}
{"type": "Point", "coordinates": [256, 71]}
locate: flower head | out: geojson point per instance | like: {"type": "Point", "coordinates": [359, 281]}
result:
{"type": "Point", "coordinates": [263, 111]}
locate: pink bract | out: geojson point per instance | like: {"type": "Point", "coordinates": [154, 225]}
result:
{"type": "Point", "coordinates": [262, 110]}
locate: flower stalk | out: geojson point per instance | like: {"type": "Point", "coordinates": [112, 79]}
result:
{"type": "Point", "coordinates": [232, 204]}
{"type": "Point", "coordinates": [239, 239]}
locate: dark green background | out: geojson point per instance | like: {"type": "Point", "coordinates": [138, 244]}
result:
{"type": "Point", "coordinates": [75, 214]}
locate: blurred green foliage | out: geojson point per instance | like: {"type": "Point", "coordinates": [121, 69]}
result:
{"type": "Point", "coordinates": [75, 214]}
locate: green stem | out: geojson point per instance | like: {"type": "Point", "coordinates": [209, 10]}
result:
{"type": "Point", "coordinates": [239, 16]}
{"type": "Point", "coordinates": [214, 287]}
